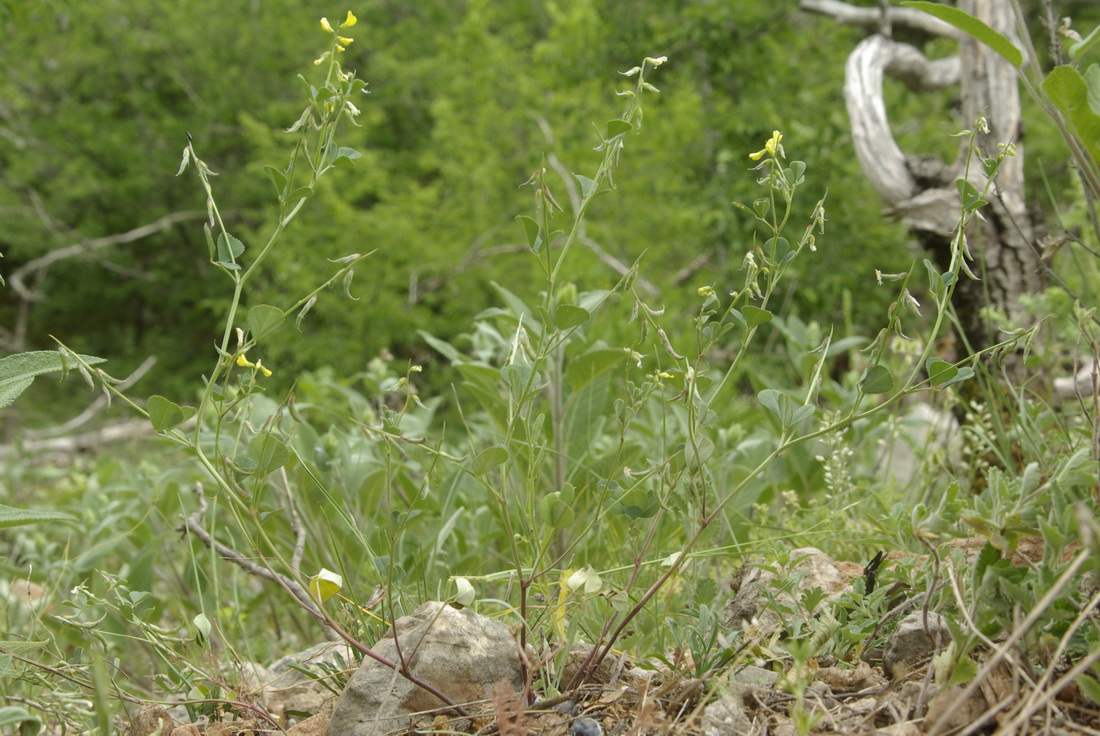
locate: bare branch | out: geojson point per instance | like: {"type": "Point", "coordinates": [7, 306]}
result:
{"type": "Point", "coordinates": [878, 153]}
{"type": "Point", "coordinates": [17, 279]}
{"type": "Point", "coordinates": [872, 18]}
{"type": "Point", "coordinates": [94, 408]}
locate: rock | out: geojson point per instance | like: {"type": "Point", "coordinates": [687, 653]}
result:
{"type": "Point", "coordinates": [149, 719]}
{"type": "Point", "coordinates": [909, 644]}
{"type": "Point", "coordinates": [284, 688]}
{"type": "Point", "coordinates": [460, 653]}
{"type": "Point", "coordinates": [585, 727]}
{"type": "Point", "coordinates": [753, 676]}
{"type": "Point", "coordinates": [814, 568]}
{"type": "Point", "coordinates": [726, 717]}
{"type": "Point", "coordinates": [948, 711]}
{"type": "Point", "coordinates": [609, 671]}
{"type": "Point", "coordinates": [850, 680]}
{"type": "Point", "coordinates": [187, 729]}
{"type": "Point", "coordinates": [313, 726]}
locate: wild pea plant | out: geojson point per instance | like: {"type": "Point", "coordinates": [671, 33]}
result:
{"type": "Point", "coordinates": [239, 441]}
{"type": "Point", "coordinates": [588, 474]}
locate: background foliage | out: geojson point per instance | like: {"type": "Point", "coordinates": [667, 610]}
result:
{"type": "Point", "coordinates": [468, 99]}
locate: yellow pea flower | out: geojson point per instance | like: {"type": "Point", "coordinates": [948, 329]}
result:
{"type": "Point", "coordinates": [774, 142]}
{"type": "Point", "coordinates": [244, 362]}
{"type": "Point", "coordinates": [774, 145]}
{"type": "Point", "coordinates": [349, 21]}
{"type": "Point", "coordinates": [325, 25]}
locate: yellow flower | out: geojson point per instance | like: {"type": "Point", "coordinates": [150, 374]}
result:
{"type": "Point", "coordinates": [773, 143]}
{"type": "Point", "coordinates": [770, 148]}
{"type": "Point", "coordinates": [325, 25]}
{"type": "Point", "coordinates": [345, 41]}
{"type": "Point", "coordinates": [244, 362]}
{"type": "Point", "coordinates": [349, 21]}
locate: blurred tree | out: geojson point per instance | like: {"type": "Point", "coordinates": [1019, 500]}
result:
{"type": "Point", "coordinates": [466, 101]}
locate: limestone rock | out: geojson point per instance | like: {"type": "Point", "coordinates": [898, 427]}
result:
{"type": "Point", "coordinates": [283, 688]}
{"type": "Point", "coordinates": [909, 644]}
{"type": "Point", "coordinates": [149, 719]}
{"type": "Point", "coordinates": [460, 653]}
{"type": "Point", "coordinates": [726, 717]}
{"type": "Point", "coordinates": [813, 567]}
{"type": "Point", "coordinates": [313, 726]}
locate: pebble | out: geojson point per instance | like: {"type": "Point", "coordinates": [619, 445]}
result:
{"type": "Point", "coordinates": [585, 727]}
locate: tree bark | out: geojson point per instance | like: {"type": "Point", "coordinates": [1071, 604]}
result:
{"type": "Point", "coordinates": [920, 191]}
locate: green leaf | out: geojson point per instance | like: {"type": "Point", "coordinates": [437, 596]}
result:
{"type": "Point", "coordinates": [803, 413]}
{"type": "Point", "coordinates": [586, 184]}
{"type": "Point", "coordinates": [244, 463]}
{"type": "Point", "coordinates": [531, 230]}
{"type": "Point", "coordinates": [696, 454]}
{"type": "Point", "coordinates": [935, 281]}
{"type": "Point", "coordinates": [489, 458]}
{"type": "Point", "coordinates": [785, 408]}
{"type": "Point", "coordinates": [590, 365]}
{"type": "Point", "coordinates": [1084, 44]}
{"type": "Point", "coordinates": [755, 316]}
{"type": "Point", "coordinates": [28, 725]}
{"type": "Point", "coordinates": [962, 375]}
{"type": "Point", "coordinates": [973, 27]}
{"type": "Point", "coordinates": [299, 193]}
{"type": "Point", "coordinates": [165, 414]}
{"type": "Point", "coordinates": [203, 627]}
{"type": "Point", "coordinates": [278, 178]}
{"type": "Point", "coordinates": [519, 378]}
{"type": "Point", "coordinates": [585, 579]}
{"type": "Point", "coordinates": [19, 370]}
{"type": "Point", "coordinates": [1092, 81]}
{"type": "Point", "coordinates": [963, 672]}
{"type": "Point", "coordinates": [555, 511]}
{"type": "Point", "coordinates": [269, 451]}
{"type": "Point", "coordinates": [969, 195]}
{"type": "Point", "coordinates": [567, 316]}
{"type": "Point", "coordinates": [618, 127]}
{"type": "Point", "coordinates": [1067, 89]}
{"type": "Point", "coordinates": [779, 248]}
{"type": "Point", "coordinates": [877, 381]}
{"type": "Point", "coordinates": [10, 516]}
{"type": "Point", "coordinates": [345, 157]}
{"type": "Point", "coordinates": [229, 250]}
{"type": "Point", "coordinates": [940, 371]}
{"type": "Point", "coordinates": [325, 584]}
{"type": "Point", "coordinates": [465, 594]}
{"type": "Point", "coordinates": [21, 647]}
{"type": "Point", "coordinates": [263, 318]}
{"type": "Point", "coordinates": [769, 398]}
{"type": "Point", "coordinates": [448, 351]}
{"type": "Point", "coordinates": [1090, 688]}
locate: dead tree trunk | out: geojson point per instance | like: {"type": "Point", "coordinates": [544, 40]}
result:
{"type": "Point", "coordinates": [920, 191]}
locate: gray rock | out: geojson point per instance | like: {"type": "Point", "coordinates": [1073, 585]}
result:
{"type": "Point", "coordinates": [458, 652]}
{"type": "Point", "coordinates": [909, 644]}
{"type": "Point", "coordinates": [283, 688]}
{"type": "Point", "coordinates": [585, 727]}
{"type": "Point", "coordinates": [813, 568]}
{"type": "Point", "coordinates": [726, 717]}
